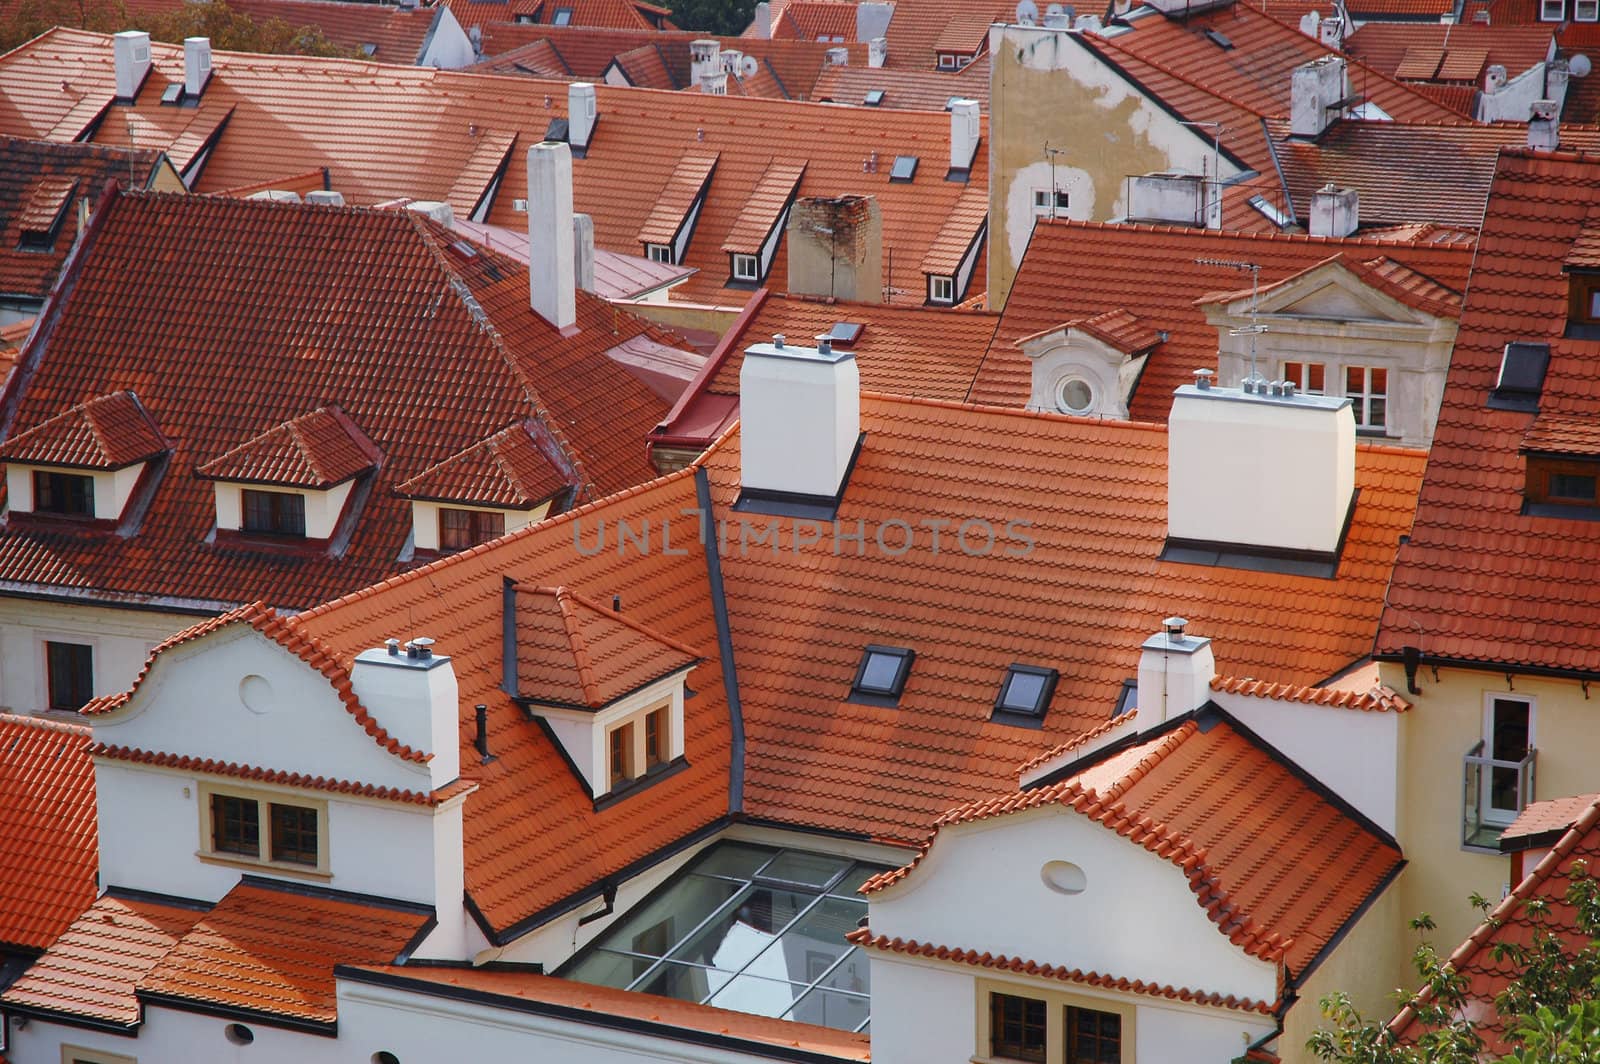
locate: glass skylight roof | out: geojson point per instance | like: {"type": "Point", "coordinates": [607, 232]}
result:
{"type": "Point", "coordinates": [750, 928]}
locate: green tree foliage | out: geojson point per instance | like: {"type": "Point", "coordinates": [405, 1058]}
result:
{"type": "Point", "coordinates": [1551, 1009]}
{"type": "Point", "coordinates": [229, 30]}
{"type": "Point", "coordinates": [724, 18]}
{"type": "Point", "coordinates": [29, 18]}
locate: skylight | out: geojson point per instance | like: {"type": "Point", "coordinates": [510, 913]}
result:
{"type": "Point", "coordinates": [1025, 692]}
{"type": "Point", "coordinates": [556, 131]}
{"type": "Point", "coordinates": [905, 168]}
{"type": "Point", "coordinates": [750, 928]}
{"type": "Point", "coordinates": [1521, 380]}
{"type": "Point", "coordinates": [873, 98]}
{"type": "Point", "coordinates": [882, 674]}
{"type": "Point", "coordinates": [1219, 40]}
{"type": "Point", "coordinates": [845, 333]}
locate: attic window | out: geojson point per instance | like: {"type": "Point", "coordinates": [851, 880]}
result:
{"type": "Point", "coordinates": [556, 131]}
{"type": "Point", "coordinates": [1025, 693]}
{"type": "Point", "coordinates": [172, 95]}
{"type": "Point", "coordinates": [1271, 213]}
{"type": "Point", "coordinates": [39, 220]}
{"type": "Point", "coordinates": [562, 17]}
{"type": "Point", "coordinates": [873, 98]}
{"type": "Point", "coordinates": [881, 677]}
{"type": "Point", "coordinates": [1563, 487]}
{"type": "Point", "coordinates": [369, 50]}
{"type": "Point", "coordinates": [1521, 380]}
{"type": "Point", "coordinates": [1127, 698]}
{"type": "Point", "coordinates": [1583, 305]}
{"type": "Point", "coordinates": [1219, 40]}
{"type": "Point", "coordinates": [658, 252]}
{"type": "Point", "coordinates": [845, 333]}
{"type": "Point", "coordinates": [905, 168]}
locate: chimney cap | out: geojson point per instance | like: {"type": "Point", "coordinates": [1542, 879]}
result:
{"type": "Point", "coordinates": [1171, 638]}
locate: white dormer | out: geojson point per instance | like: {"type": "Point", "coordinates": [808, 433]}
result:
{"type": "Point", "coordinates": [1088, 367]}
{"type": "Point", "coordinates": [489, 490]}
{"type": "Point", "coordinates": [85, 464]}
{"type": "Point", "coordinates": [609, 690]}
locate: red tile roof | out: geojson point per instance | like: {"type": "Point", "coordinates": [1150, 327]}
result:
{"type": "Point", "coordinates": [573, 652]}
{"type": "Point", "coordinates": [1562, 434]}
{"type": "Point", "coordinates": [772, 196]}
{"type": "Point", "coordinates": [232, 317]}
{"type": "Point", "coordinates": [1541, 818]}
{"type": "Point", "coordinates": [1081, 269]}
{"type": "Point", "coordinates": [508, 469]}
{"type": "Point", "coordinates": [110, 432]}
{"type": "Point", "coordinates": [1236, 820]}
{"type": "Point", "coordinates": [1378, 699]}
{"type": "Point", "coordinates": [48, 862]}
{"type": "Point", "coordinates": [671, 205]}
{"type": "Point", "coordinates": [904, 89]}
{"type": "Point", "coordinates": [607, 14]}
{"type": "Point", "coordinates": [361, 120]}
{"type": "Point", "coordinates": [966, 33]}
{"type": "Point", "coordinates": [917, 25]}
{"type": "Point", "coordinates": [1487, 973]}
{"type": "Point", "coordinates": [93, 969]}
{"type": "Point", "coordinates": [315, 450]}
{"type": "Point", "coordinates": [271, 949]}
{"type": "Point", "coordinates": [394, 34]}
{"type": "Point", "coordinates": [518, 990]}
{"type": "Point", "coordinates": [1384, 46]}
{"type": "Point", "coordinates": [962, 227]}
{"type": "Point", "coordinates": [27, 166]}
{"type": "Point", "coordinates": [1522, 604]}
{"type": "Point", "coordinates": [816, 20]}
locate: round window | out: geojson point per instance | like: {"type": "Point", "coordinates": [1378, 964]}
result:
{"type": "Point", "coordinates": [383, 1056]}
{"type": "Point", "coordinates": [1063, 877]}
{"type": "Point", "coordinates": [239, 1034]}
{"type": "Point", "coordinates": [1074, 395]}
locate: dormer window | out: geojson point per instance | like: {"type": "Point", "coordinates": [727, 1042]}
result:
{"type": "Point", "coordinates": [63, 494]}
{"type": "Point", "coordinates": [941, 290]}
{"type": "Point", "coordinates": [881, 676]}
{"type": "Point", "coordinates": [43, 213]}
{"type": "Point", "coordinates": [1025, 693]}
{"type": "Point", "coordinates": [1563, 468]}
{"type": "Point", "coordinates": [746, 268]}
{"type": "Point", "coordinates": [86, 464]}
{"type": "Point", "coordinates": [461, 529]}
{"type": "Point", "coordinates": [263, 828]}
{"type": "Point", "coordinates": [1521, 379]}
{"type": "Point", "coordinates": [495, 486]}
{"type": "Point", "coordinates": [659, 253]}
{"type": "Point", "coordinates": [273, 513]}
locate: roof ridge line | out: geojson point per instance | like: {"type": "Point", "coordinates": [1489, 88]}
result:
{"type": "Point", "coordinates": [45, 724]}
{"type": "Point", "coordinates": [622, 618]}
{"type": "Point", "coordinates": [579, 645]}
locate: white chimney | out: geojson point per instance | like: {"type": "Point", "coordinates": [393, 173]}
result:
{"type": "Point", "coordinates": [1331, 32]}
{"type": "Point", "coordinates": [872, 20]}
{"type": "Point", "coordinates": [552, 262]}
{"type": "Point", "coordinates": [196, 65]}
{"type": "Point", "coordinates": [800, 418]}
{"type": "Point", "coordinates": [325, 198]}
{"type": "Point", "coordinates": [761, 26]}
{"type": "Point", "coordinates": [411, 692]}
{"type": "Point", "coordinates": [837, 56]}
{"type": "Point", "coordinates": [1335, 211]}
{"type": "Point", "coordinates": [130, 52]}
{"type": "Point", "coordinates": [437, 210]}
{"type": "Point", "coordinates": [965, 129]}
{"type": "Point", "coordinates": [877, 51]}
{"type": "Point", "coordinates": [1310, 22]}
{"type": "Point", "coordinates": [583, 251]}
{"type": "Point", "coordinates": [705, 67]}
{"type": "Point", "coordinates": [1495, 78]}
{"type": "Point", "coordinates": [1260, 470]}
{"type": "Point", "coordinates": [1316, 92]}
{"type": "Point", "coordinates": [581, 116]}
{"type": "Point", "coordinates": [1168, 198]}
{"type": "Point", "coordinates": [1544, 126]}
{"type": "Point", "coordinates": [1175, 673]}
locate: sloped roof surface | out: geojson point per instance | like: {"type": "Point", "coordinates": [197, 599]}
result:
{"type": "Point", "coordinates": [1384, 45]}
{"type": "Point", "coordinates": [314, 450]}
{"type": "Point", "coordinates": [1080, 269]}
{"type": "Point", "coordinates": [1479, 581]}
{"type": "Point", "coordinates": [904, 89]}
{"type": "Point", "coordinates": [48, 862]}
{"type": "Point", "coordinates": [108, 432]}
{"type": "Point", "coordinates": [612, 14]}
{"type": "Point", "coordinates": [574, 652]}
{"type": "Point", "coordinates": [263, 312]}
{"type": "Point", "coordinates": [507, 469]}
{"type": "Point", "coordinates": [767, 203]}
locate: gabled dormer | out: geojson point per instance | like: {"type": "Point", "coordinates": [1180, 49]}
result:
{"type": "Point", "coordinates": [494, 487]}
{"type": "Point", "coordinates": [669, 228]}
{"type": "Point", "coordinates": [608, 690]}
{"type": "Point", "coordinates": [1582, 267]}
{"type": "Point", "coordinates": [295, 484]}
{"type": "Point", "coordinates": [753, 241]}
{"type": "Point", "coordinates": [89, 465]}
{"type": "Point", "coordinates": [1088, 367]}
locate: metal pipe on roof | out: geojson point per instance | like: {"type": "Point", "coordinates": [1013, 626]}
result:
{"type": "Point", "coordinates": [719, 612]}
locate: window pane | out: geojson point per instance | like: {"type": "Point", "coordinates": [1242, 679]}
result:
{"type": "Point", "coordinates": [686, 982]}
{"type": "Point", "coordinates": [846, 887]}
{"type": "Point", "coordinates": [63, 493]}
{"type": "Point", "coordinates": [605, 968]}
{"type": "Point", "coordinates": [742, 930]}
{"type": "Point", "coordinates": [830, 1008]}
{"type": "Point", "coordinates": [682, 908]}
{"type": "Point", "coordinates": [812, 945]}
{"type": "Point", "coordinates": [294, 834]}
{"type": "Point", "coordinates": [1016, 1027]}
{"type": "Point", "coordinates": [804, 869]}
{"type": "Point", "coordinates": [880, 671]}
{"type": "Point", "coordinates": [655, 738]}
{"type": "Point", "coordinates": [735, 859]}
{"type": "Point", "coordinates": [71, 674]}
{"type": "Point", "coordinates": [235, 825]}
{"type": "Point", "coordinates": [764, 997]}
{"type": "Point", "coordinates": [1023, 690]}
{"type": "Point", "coordinates": [1093, 1037]}
{"type": "Point", "coordinates": [1572, 486]}
{"type": "Point", "coordinates": [274, 513]}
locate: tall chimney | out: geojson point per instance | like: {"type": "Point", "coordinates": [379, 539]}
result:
{"type": "Point", "coordinates": [835, 248]}
{"type": "Point", "coordinates": [196, 65]}
{"type": "Point", "coordinates": [552, 263]}
{"type": "Point", "coordinates": [583, 251]}
{"type": "Point", "coordinates": [581, 116]}
{"type": "Point", "coordinates": [1316, 92]}
{"type": "Point", "coordinates": [1335, 211]}
{"type": "Point", "coordinates": [800, 419]}
{"type": "Point", "coordinates": [1544, 126]}
{"type": "Point", "coordinates": [761, 25]}
{"type": "Point", "coordinates": [706, 71]}
{"type": "Point", "coordinates": [130, 52]}
{"type": "Point", "coordinates": [1175, 673]}
{"type": "Point", "coordinates": [877, 51]}
{"type": "Point", "coordinates": [965, 129]}
{"type": "Point", "coordinates": [412, 693]}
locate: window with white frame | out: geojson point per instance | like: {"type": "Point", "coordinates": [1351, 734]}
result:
{"type": "Point", "coordinates": [1507, 738]}
{"type": "Point", "coordinates": [947, 62]}
{"type": "Point", "coordinates": [1309, 377]}
{"type": "Point", "coordinates": [941, 289]}
{"type": "Point", "coordinates": [748, 267]}
{"type": "Point", "coordinates": [1552, 10]}
{"type": "Point", "coordinates": [1586, 10]}
{"type": "Point", "coordinates": [658, 252]}
{"type": "Point", "coordinates": [263, 828]}
{"type": "Point", "coordinates": [1048, 204]}
{"type": "Point", "coordinates": [1368, 390]}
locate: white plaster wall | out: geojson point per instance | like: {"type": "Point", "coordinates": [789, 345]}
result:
{"type": "Point", "coordinates": [1356, 754]}
{"type": "Point", "coordinates": [419, 707]}
{"type": "Point", "coordinates": [322, 507]}
{"type": "Point", "coordinates": [111, 487]}
{"type": "Point", "coordinates": [922, 1013]}
{"type": "Point", "coordinates": [1210, 1036]}
{"type": "Point", "coordinates": [169, 1036]}
{"type": "Point", "coordinates": [1137, 918]}
{"type": "Point", "coordinates": [425, 520]}
{"type": "Point", "coordinates": [583, 733]}
{"type": "Point", "coordinates": [449, 48]}
{"type": "Point", "coordinates": [193, 702]}
{"type": "Point", "coordinates": [122, 639]}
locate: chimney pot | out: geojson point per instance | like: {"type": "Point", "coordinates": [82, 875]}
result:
{"type": "Point", "coordinates": [130, 53]}
{"type": "Point", "coordinates": [481, 714]}
{"type": "Point", "coordinates": [824, 344]}
{"type": "Point", "coordinates": [1175, 673]}
{"type": "Point", "coordinates": [1544, 126]}
{"type": "Point", "coordinates": [777, 341]}
{"type": "Point", "coordinates": [552, 263]}
{"type": "Point", "coordinates": [424, 647]}
{"type": "Point", "coordinates": [393, 646]}
{"type": "Point", "coordinates": [582, 113]}
{"type": "Point", "coordinates": [1202, 379]}
{"type": "Point", "coordinates": [196, 65]}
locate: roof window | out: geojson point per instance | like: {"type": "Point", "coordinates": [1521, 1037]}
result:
{"type": "Point", "coordinates": [1025, 693]}
{"type": "Point", "coordinates": [557, 130]}
{"type": "Point", "coordinates": [844, 333]}
{"type": "Point", "coordinates": [905, 168]}
{"type": "Point", "coordinates": [1521, 380]}
{"type": "Point", "coordinates": [1127, 698]}
{"type": "Point", "coordinates": [873, 98]}
{"type": "Point", "coordinates": [562, 17]}
{"type": "Point", "coordinates": [1219, 40]}
{"type": "Point", "coordinates": [881, 677]}
{"type": "Point", "coordinates": [172, 95]}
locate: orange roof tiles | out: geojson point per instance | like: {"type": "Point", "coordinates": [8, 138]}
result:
{"type": "Point", "coordinates": [607, 14]}
{"type": "Point", "coordinates": [110, 432]}
{"type": "Point", "coordinates": [46, 200]}
{"type": "Point", "coordinates": [904, 89]}
{"type": "Point", "coordinates": [962, 227]}
{"type": "Point", "coordinates": [47, 865]}
{"type": "Point", "coordinates": [672, 204]}
{"type": "Point", "coordinates": [1562, 434]}
{"type": "Point", "coordinates": [315, 450]}
{"type": "Point", "coordinates": [772, 196]}
{"type": "Point", "coordinates": [93, 969]}
{"type": "Point", "coordinates": [573, 652]}
{"type": "Point", "coordinates": [1487, 972]}
{"type": "Point", "coordinates": [1233, 817]}
{"type": "Point", "coordinates": [1121, 330]}
{"type": "Point", "coordinates": [485, 163]}
{"type": "Point", "coordinates": [508, 469]}
{"type": "Point", "coordinates": [816, 20]}
{"type": "Point", "coordinates": [965, 34]}
{"type": "Point", "coordinates": [526, 990]}
{"type": "Point", "coordinates": [1585, 251]}
{"type": "Point", "coordinates": [1541, 818]}
{"type": "Point", "coordinates": [1081, 269]}
{"type": "Point", "coordinates": [270, 949]}
{"type": "Point", "coordinates": [1523, 604]}
{"type": "Point", "coordinates": [1420, 63]}
{"type": "Point", "coordinates": [236, 316]}
{"type": "Point", "coordinates": [1384, 46]}
{"type": "Point", "coordinates": [394, 34]}
{"type": "Point", "coordinates": [918, 25]}
{"type": "Point", "coordinates": [1377, 699]}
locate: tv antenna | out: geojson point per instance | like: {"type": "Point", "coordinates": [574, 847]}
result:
{"type": "Point", "coordinates": [1052, 153]}
{"type": "Point", "coordinates": [1255, 328]}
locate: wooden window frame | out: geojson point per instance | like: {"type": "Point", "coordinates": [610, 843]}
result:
{"type": "Point", "coordinates": [1025, 1024]}
{"type": "Point", "coordinates": [71, 1054]}
{"type": "Point", "coordinates": [1057, 1041]}
{"type": "Point", "coordinates": [1542, 470]}
{"type": "Point", "coordinates": [661, 253]}
{"type": "Point", "coordinates": [266, 829]}
{"type": "Point", "coordinates": [657, 737]}
{"type": "Point", "coordinates": [49, 483]}
{"type": "Point", "coordinates": [1581, 290]}
{"type": "Point", "coordinates": [280, 512]}
{"type": "Point", "coordinates": [481, 527]}
{"type": "Point", "coordinates": [622, 760]}
{"type": "Point", "coordinates": [79, 685]}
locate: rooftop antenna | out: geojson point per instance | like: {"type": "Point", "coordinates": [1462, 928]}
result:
{"type": "Point", "coordinates": [1254, 381]}
{"type": "Point", "coordinates": [1214, 199]}
{"type": "Point", "coordinates": [1052, 153]}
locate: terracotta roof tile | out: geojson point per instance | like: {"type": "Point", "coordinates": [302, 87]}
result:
{"type": "Point", "coordinates": [46, 200]}
{"type": "Point", "coordinates": [1585, 251]}
{"type": "Point", "coordinates": [1540, 818]}
{"type": "Point", "coordinates": [394, 34]}
{"type": "Point", "coordinates": [271, 950]}
{"type": "Point", "coordinates": [672, 204]}
{"type": "Point", "coordinates": [47, 866]}
{"type": "Point", "coordinates": [962, 227]}
{"type": "Point", "coordinates": [772, 196]}
{"type": "Point", "coordinates": [1000, 962]}
{"type": "Point", "coordinates": [487, 161]}
{"type": "Point", "coordinates": [1517, 604]}
{"type": "Point", "coordinates": [92, 970]}
{"type": "Point", "coordinates": [1384, 45]}
{"type": "Point", "coordinates": [817, 20]}
{"type": "Point", "coordinates": [917, 25]}
{"type": "Point", "coordinates": [904, 89]}
{"type": "Point", "coordinates": [507, 469]}
{"type": "Point", "coordinates": [606, 14]}
{"type": "Point", "coordinates": [1233, 818]}
{"type": "Point", "coordinates": [233, 317]}
{"type": "Point", "coordinates": [573, 652]}
{"type": "Point", "coordinates": [111, 432]}
{"type": "Point", "coordinates": [1420, 63]}
{"type": "Point", "coordinates": [965, 34]}
{"type": "Point", "coordinates": [1562, 434]}
{"type": "Point", "coordinates": [315, 450]}
{"type": "Point", "coordinates": [1378, 699]}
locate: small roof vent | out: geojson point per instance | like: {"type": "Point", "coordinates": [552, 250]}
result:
{"type": "Point", "coordinates": [1521, 380]}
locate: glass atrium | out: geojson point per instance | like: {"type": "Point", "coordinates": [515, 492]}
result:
{"type": "Point", "coordinates": [752, 928]}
